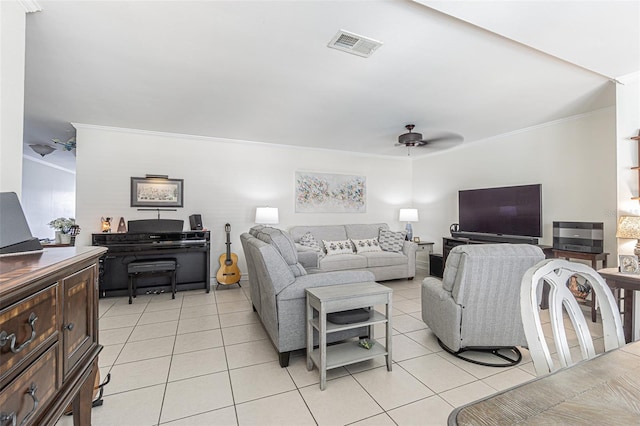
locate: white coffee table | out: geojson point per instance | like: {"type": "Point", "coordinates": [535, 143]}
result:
{"type": "Point", "coordinates": [337, 298]}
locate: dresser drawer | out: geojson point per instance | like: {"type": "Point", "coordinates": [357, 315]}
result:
{"type": "Point", "coordinates": [26, 327]}
{"type": "Point", "coordinates": [32, 390]}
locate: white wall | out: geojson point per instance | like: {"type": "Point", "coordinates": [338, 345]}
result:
{"type": "Point", "coordinates": [628, 124]}
{"type": "Point", "coordinates": [573, 159]}
{"type": "Point", "coordinates": [12, 48]}
{"type": "Point", "coordinates": [48, 192]}
{"type": "Point", "coordinates": [224, 181]}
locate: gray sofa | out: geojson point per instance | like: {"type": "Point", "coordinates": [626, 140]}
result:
{"type": "Point", "coordinates": [385, 265]}
{"type": "Point", "coordinates": [277, 284]}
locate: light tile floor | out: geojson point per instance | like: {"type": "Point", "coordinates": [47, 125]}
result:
{"type": "Point", "coordinates": [204, 359]}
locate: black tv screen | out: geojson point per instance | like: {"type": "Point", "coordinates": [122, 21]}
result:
{"type": "Point", "coordinates": [512, 210]}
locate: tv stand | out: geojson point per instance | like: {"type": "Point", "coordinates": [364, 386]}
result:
{"type": "Point", "coordinates": [450, 242]}
{"type": "Point", "coordinates": [495, 238]}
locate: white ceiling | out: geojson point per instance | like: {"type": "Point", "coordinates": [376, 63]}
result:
{"type": "Point", "coordinates": [261, 70]}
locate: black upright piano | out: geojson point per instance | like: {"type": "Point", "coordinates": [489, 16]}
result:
{"type": "Point", "coordinates": [190, 249]}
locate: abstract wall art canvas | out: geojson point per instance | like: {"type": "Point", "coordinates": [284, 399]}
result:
{"type": "Point", "coordinates": [330, 193]}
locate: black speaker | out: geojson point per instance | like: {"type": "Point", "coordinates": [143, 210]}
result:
{"type": "Point", "coordinates": [584, 237]}
{"type": "Point", "coordinates": [195, 220]}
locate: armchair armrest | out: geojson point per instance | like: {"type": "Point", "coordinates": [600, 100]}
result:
{"type": "Point", "coordinates": [441, 313]}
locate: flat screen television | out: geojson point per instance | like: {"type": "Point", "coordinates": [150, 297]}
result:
{"type": "Point", "coordinates": [511, 210]}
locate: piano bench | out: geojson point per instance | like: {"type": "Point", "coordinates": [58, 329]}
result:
{"type": "Point", "coordinates": [151, 267]}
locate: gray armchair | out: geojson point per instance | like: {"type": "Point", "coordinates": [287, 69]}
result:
{"type": "Point", "coordinates": [278, 284]}
{"type": "Point", "coordinates": [476, 306]}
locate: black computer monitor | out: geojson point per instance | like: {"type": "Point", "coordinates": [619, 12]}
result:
{"type": "Point", "coordinates": [15, 235]}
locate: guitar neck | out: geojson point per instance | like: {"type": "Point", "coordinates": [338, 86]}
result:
{"type": "Point", "coordinates": [228, 231]}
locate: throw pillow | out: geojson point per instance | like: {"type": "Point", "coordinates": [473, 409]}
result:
{"type": "Point", "coordinates": [338, 247]}
{"type": "Point", "coordinates": [390, 240]}
{"type": "Point", "coordinates": [366, 245]}
{"type": "Point", "coordinates": [308, 240]}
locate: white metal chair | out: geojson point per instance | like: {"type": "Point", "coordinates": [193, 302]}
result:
{"type": "Point", "coordinates": [556, 273]}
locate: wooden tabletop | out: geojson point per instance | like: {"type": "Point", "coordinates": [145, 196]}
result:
{"type": "Point", "coordinates": [600, 391]}
{"type": "Point", "coordinates": [21, 269]}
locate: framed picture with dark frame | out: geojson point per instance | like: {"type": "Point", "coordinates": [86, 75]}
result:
{"type": "Point", "coordinates": [156, 192]}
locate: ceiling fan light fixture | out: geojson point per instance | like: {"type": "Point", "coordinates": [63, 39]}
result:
{"type": "Point", "coordinates": [410, 139]}
{"type": "Point", "coordinates": [42, 149]}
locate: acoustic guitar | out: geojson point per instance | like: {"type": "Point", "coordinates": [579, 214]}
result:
{"type": "Point", "coordinates": [229, 273]}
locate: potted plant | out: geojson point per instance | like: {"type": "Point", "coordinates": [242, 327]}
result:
{"type": "Point", "coordinates": [63, 227]}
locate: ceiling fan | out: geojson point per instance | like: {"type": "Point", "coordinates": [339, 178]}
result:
{"type": "Point", "coordinates": [439, 141]}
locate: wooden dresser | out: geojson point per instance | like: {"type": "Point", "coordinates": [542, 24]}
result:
{"type": "Point", "coordinates": [48, 335]}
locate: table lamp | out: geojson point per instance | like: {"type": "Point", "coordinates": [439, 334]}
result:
{"type": "Point", "coordinates": [409, 215]}
{"type": "Point", "coordinates": [629, 227]}
{"type": "Point", "coordinates": [267, 215]}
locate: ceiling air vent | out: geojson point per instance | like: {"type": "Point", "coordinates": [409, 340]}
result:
{"type": "Point", "coordinates": [354, 43]}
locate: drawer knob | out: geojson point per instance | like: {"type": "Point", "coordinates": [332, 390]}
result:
{"type": "Point", "coordinates": [6, 337]}
{"type": "Point", "coordinates": [68, 326]}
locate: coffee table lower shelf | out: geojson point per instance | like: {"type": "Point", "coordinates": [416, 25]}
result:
{"type": "Point", "coordinates": [346, 353]}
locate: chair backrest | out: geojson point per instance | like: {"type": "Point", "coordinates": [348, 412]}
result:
{"type": "Point", "coordinates": [557, 273]}
{"type": "Point", "coordinates": [485, 280]}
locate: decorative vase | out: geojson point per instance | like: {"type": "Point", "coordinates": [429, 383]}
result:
{"type": "Point", "coordinates": [65, 238]}
{"type": "Point", "coordinates": [58, 234]}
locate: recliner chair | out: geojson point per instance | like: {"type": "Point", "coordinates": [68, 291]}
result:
{"type": "Point", "coordinates": [476, 305]}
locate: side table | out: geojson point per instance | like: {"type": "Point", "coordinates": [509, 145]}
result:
{"type": "Point", "coordinates": [425, 248]}
{"type": "Point", "coordinates": [630, 283]}
{"type": "Point", "coordinates": [343, 297]}
{"type": "Point", "coordinates": [594, 258]}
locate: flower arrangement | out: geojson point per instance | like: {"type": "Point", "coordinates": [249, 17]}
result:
{"type": "Point", "coordinates": [63, 224]}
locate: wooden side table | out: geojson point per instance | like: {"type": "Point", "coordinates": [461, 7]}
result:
{"type": "Point", "coordinates": [630, 283]}
{"type": "Point", "coordinates": [336, 298]}
{"type": "Point", "coordinates": [594, 258]}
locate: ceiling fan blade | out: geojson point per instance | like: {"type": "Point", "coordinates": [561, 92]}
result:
{"type": "Point", "coordinates": [453, 137]}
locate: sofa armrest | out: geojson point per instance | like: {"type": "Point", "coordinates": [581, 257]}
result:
{"type": "Point", "coordinates": [297, 289]}
{"type": "Point", "coordinates": [409, 248]}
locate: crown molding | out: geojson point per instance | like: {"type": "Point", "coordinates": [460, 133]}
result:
{"type": "Point", "coordinates": [30, 6]}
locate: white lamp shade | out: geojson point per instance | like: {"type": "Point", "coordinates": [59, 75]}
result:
{"type": "Point", "coordinates": [267, 215]}
{"type": "Point", "coordinates": [408, 215]}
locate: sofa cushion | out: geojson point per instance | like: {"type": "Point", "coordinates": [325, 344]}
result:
{"type": "Point", "coordinates": [320, 232]}
{"type": "Point", "coordinates": [308, 240]}
{"type": "Point", "coordinates": [366, 245]}
{"type": "Point", "coordinates": [308, 259]}
{"type": "Point", "coordinates": [384, 258]}
{"type": "Point", "coordinates": [283, 242]}
{"type": "Point", "coordinates": [390, 240]}
{"type": "Point", "coordinates": [363, 231]}
{"type": "Point", "coordinates": [338, 247]}
{"type": "Point", "coordinates": [342, 262]}
{"type": "Point", "coordinates": [255, 230]}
